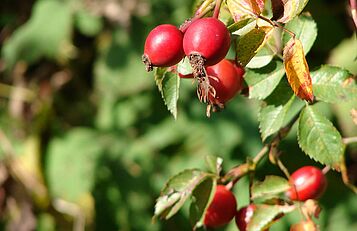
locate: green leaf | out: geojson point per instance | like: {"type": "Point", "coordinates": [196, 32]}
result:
{"type": "Point", "coordinates": [319, 139]}
{"type": "Point", "coordinates": [168, 84]}
{"type": "Point", "coordinates": [184, 67]}
{"type": "Point", "coordinates": [281, 106]}
{"type": "Point", "coordinates": [292, 8]}
{"type": "Point", "coordinates": [177, 190]}
{"type": "Point", "coordinates": [264, 215]}
{"type": "Point", "coordinates": [201, 199]}
{"type": "Point", "coordinates": [237, 26]}
{"type": "Point", "coordinates": [270, 187]}
{"type": "Point", "coordinates": [305, 30]}
{"type": "Point", "coordinates": [38, 38]}
{"type": "Point", "coordinates": [71, 163]}
{"type": "Point", "coordinates": [248, 44]}
{"type": "Point", "coordinates": [263, 81]}
{"type": "Point", "coordinates": [87, 23]}
{"type": "Point", "coordinates": [344, 55]}
{"type": "Point", "coordinates": [214, 164]}
{"type": "Point", "coordinates": [333, 84]}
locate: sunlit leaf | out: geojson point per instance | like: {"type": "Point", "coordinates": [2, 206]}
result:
{"type": "Point", "coordinates": [262, 82]}
{"type": "Point", "coordinates": [305, 30]}
{"type": "Point", "coordinates": [241, 9]}
{"type": "Point", "coordinates": [297, 70]}
{"type": "Point", "coordinates": [177, 190]}
{"type": "Point", "coordinates": [168, 84]}
{"type": "Point", "coordinates": [333, 84]}
{"type": "Point", "coordinates": [319, 139]}
{"type": "Point", "coordinates": [264, 215]}
{"type": "Point", "coordinates": [271, 186]}
{"type": "Point", "coordinates": [248, 45]}
{"type": "Point", "coordinates": [292, 8]}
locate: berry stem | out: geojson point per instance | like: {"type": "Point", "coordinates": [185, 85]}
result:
{"type": "Point", "coordinates": [326, 169]}
{"type": "Point", "coordinates": [353, 4]}
{"type": "Point", "coordinates": [217, 9]}
{"type": "Point", "coordinates": [276, 24]}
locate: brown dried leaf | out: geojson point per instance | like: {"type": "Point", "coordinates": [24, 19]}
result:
{"type": "Point", "coordinates": [297, 70]}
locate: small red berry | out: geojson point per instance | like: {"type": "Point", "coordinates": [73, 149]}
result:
{"type": "Point", "coordinates": [209, 38]}
{"type": "Point", "coordinates": [222, 208]}
{"type": "Point", "coordinates": [226, 78]}
{"type": "Point", "coordinates": [163, 47]}
{"type": "Point", "coordinates": [307, 182]}
{"type": "Point", "coordinates": [243, 216]}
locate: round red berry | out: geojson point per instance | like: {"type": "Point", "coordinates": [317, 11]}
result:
{"type": "Point", "coordinates": [226, 78]}
{"type": "Point", "coordinates": [243, 216]}
{"type": "Point", "coordinates": [222, 208]}
{"type": "Point", "coordinates": [307, 182]}
{"type": "Point", "coordinates": [209, 38]}
{"type": "Point", "coordinates": [163, 47]}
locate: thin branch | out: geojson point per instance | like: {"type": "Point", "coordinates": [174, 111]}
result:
{"type": "Point", "coordinates": [275, 24]}
{"type": "Point", "coordinates": [353, 5]}
{"type": "Point", "coordinates": [217, 9]}
{"type": "Point", "coordinates": [206, 7]}
{"type": "Point", "coordinates": [349, 140]}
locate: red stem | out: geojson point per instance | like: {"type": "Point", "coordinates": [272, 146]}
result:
{"type": "Point", "coordinates": [217, 9]}
{"type": "Point", "coordinates": [201, 11]}
{"type": "Point", "coordinates": [353, 5]}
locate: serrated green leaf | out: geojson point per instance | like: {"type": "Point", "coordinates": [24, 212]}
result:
{"type": "Point", "coordinates": [177, 190]}
{"type": "Point", "coordinates": [262, 82]}
{"type": "Point", "coordinates": [201, 199]}
{"type": "Point", "coordinates": [248, 44]}
{"type": "Point", "coordinates": [270, 187]}
{"type": "Point", "coordinates": [168, 84]}
{"type": "Point", "coordinates": [214, 164]}
{"type": "Point", "coordinates": [264, 215]}
{"type": "Point", "coordinates": [319, 139]}
{"type": "Point", "coordinates": [305, 30]}
{"type": "Point", "coordinates": [292, 8]}
{"type": "Point", "coordinates": [333, 84]}
{"type": "Point", "coordinates": [233, 28]}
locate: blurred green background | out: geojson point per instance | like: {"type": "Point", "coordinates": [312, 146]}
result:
{"type": "Point", "coordinates": [85, 139]}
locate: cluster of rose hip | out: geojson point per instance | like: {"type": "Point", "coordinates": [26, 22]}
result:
{"type": "Point", "coordinates": [306, 183]}
{"type": "Point", "coordinates": [205, 42]}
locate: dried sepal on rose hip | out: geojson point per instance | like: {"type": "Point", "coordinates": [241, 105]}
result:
{"type": "Point", "coordinates": [206, 42]}
{"type": "Point", "coordinates": [163, 47]}
{"type": "Point", "coordinates": [306, 183]}
{"type": "Point", "coordinates": [222, 208]}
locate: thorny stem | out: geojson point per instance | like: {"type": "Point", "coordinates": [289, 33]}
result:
{"type": "Point", "coordinates": [276, 24]}
{"type": "Point", "coordinates": [217, 9]}
{"type": "Point", "coordinates": [349, 140]}
{"type": "Point", "coordinates": [353, 5]}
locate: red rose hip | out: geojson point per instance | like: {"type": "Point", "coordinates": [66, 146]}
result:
{"type": "Point", "coordinates": [163, 47]}
{"type": "Point", "coordinates": [222, 208]}
{"type": "Point", "coordinates": [209, 38]}
{"type": "Point", "coordinates": [226, 78]}
{"type": "Point", "coordinates": [307, 182]}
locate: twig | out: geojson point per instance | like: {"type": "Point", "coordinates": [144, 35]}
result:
{"type": "Point", "coordinates": [217, 9]}
{"type": "Point", "coordinates": [349, 140]}
{"type": "Point", "coordinates": [206, 7]}
{"type": "Point", "coordinates": [353, 5]}
{"type": "Point", "coordinates": [275, 24]}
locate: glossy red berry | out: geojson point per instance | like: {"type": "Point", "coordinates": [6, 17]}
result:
{"type": "Point", "coordinates": [243, 216]}
{"type": "Point", "coordinates": [222, 208]}
{"type": "Point", "coordinates": [163, 47]}
{"type": "Point", "coordinates": [226, 78]}
{"type": "Point", "coordinates": [307, 182]}
{"type": "Point", "coordinates": [209, 38]}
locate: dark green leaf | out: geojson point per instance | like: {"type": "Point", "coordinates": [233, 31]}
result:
{"type": "Point", "coordinates": [319, 139]}
{"type": "Point", "coordinates": [168, 84]}
{"type": "Point", "coordinates": [263, 81]}
{"type": "Point", "coordinates": [333, 85]}
{"type": "Point", "coordinates": [248, 45]}
{"type": "Point", "coordinates": [177, 190]}
{"type": "Point", "coordinates": [270, 187]}
{"type": "Point", "coordinates": [201, 198]}
{"type": "Point", "coordinates": [87, 23]}
{"type": "Point", "coordinates": [305, 30]}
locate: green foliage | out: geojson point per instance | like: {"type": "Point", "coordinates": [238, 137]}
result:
{"type": "Point", "coordinates": [270, 187]}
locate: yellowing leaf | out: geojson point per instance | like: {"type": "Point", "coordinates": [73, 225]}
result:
{"type": "Point", "coordinates": [241, 9]}
{"type": "Point", "coordinates": [297, 70]}
{"type": "Point", "coordinates": [292, 8]}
